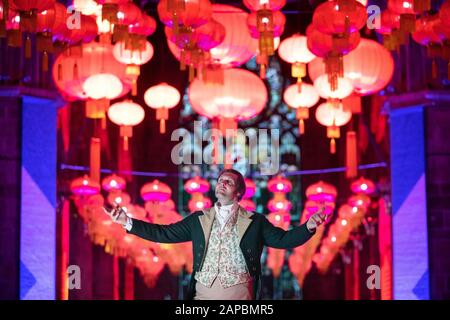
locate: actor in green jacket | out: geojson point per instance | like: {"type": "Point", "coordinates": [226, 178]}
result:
{"type": "Point", "coordinates": [227, 241]}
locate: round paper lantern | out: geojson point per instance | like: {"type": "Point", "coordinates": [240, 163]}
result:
{"type": "Point", "coordinates": [133, 59]}
{"type": "Point", "coordinates": [87, 7]}
{"type": "Point", "coordinates": [277, 28]}
{"type": "Point", "coordinates": [360, 201]}
{"type": "Point", "coordinates": [102, 86]}
{"type": "Point", "coordinates": [28, 6]}
{"type": "Point", "coordinates": [442, 30]}
{"type": "Point", "coordinates": [402, 6]}
{"type": "Point", "coordinates": [301, 101]}
{"type": "Point", "coordinates": [329, 115]}
{"type": "Point", "coordinates": [84, 186]}
{"type": "Point", "coordinates": [241, 96]}
{"type": "Point", "coordinates": [196, 184]}
{"type": "Point", "coordinates": [162, 97]}
{"type": "Point", "coordinates": [128, 13]}
{"type": "Point", "coordinates": [250, 189]}
{"type": "Point", "coordinates": [192, 13]}
{"type": "Point", "coordinates": [113, 183]}
{"type": "Point", "coordinates": [209, 35]}
{"type": "Point", "coordinates": [330, 18]}
{"type": "Point", "coordinates": [390, 21]}
{"type": "Point", "coordinates": [279, 184]}
{"type": "Point", "coordinates": [322, 44]}
{"type": "Point", "coordinates": [425, 34]}
{"type": "Point", "coordinates": [119, 197]}
{"type": "Point", "coordinates": [275, 205]}
{"type": "Point", "coordinates": [273, 5]}
{"type": "Point", "coordinates": [248, 205]}
{"type": "Point", "coordinates": [126, 114]}
{"type": "Point", "coordinates": [238, 46]}
{"type": "Point", "coordinates": [145, 26]}
{"type": "Point", "coordinates": [156, 191]}
{"type": "Point", "coordinates": [294, 50]}
{"type": "Point", "coordinates": [323, 87]}
{"type": "Point", "coordinates": [444, 12]}
{"type": "Point", "coordinates": [321, 192]}
{"type": "Point", "coordinates": [363, 185]}
{"type": "Point", "coordinates": [87, 32]}
{"type": "Point", "coordinates": [312, 207]}
{"type": "Point", "coordinates": [369, 67]}
{"type": "Point", "coordinates": [71, 69]}
{"type": "Point", "coordinates": [333, 116]}
{"type": "Point", "coordinates": [199, 202]}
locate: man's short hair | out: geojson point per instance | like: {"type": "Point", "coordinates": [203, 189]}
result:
{"type": "Point", "coordinates": [240, 182]}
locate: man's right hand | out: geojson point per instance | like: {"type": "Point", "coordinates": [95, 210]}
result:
{"type": "Point", "coordinates": [117, 215]}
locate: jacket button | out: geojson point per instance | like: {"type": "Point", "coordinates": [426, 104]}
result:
{"type": "Point", "coordinates": [249, 250]}
{"type": "Point", "coordinates": [251, 259]}
{"type": "Point", "coordinates": [254, 268]}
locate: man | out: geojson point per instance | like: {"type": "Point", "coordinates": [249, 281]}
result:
{"type": "Point", "coordinates": [227, 241]}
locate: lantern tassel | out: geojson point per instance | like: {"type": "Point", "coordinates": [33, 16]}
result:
{"type": "Point", "coordinates": [45, 61]}
{"type": "Point", "coordinates": [28, 48]}
{"type": "Point", "coordinates": [301, 126]}
{"type": "Point", "coordinates": [262, 71]}
{"type": "Point", "coordinates": [434, 69]}
{"type": "Point", "coordinates": [299, 85]}
{"type": "Point", "coordinates": [103, 123]}
{"type": "Point", "coordinates": [162, 126]}
{"type": "Point", "coordinates": [191, 73]}
{"type": "Point", "coordinates": [125, 143]}
{"type": "Point", "coordinates": [134, 87]}
{"type": "Point", "coordinates": [351, 155]}
{"type": "Point", "coordinates": [333, 146]}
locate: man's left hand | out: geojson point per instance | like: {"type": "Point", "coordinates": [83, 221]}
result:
{"type": "Point", "coordinates": [315, 221]}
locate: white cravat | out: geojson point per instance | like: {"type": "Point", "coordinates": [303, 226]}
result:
{"type": "Point", "coordinates": [223, 213]}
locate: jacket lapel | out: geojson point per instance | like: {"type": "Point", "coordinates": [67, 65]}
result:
{"type": "Point", "coordinates": [206, 221]}
{"type": "Point", "coordinates": [243, 221]}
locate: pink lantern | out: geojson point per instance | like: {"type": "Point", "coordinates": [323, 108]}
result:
{"type": "Point", "coordinates": [196, 184]}
{"type": "Point", "coordinates": [145, 26]}
{"type": "Point", "coordinates": [312, 207]}
{"type": "Point", "coordinates": [390, 21]}
{"type": "Point", "coordinates": [126, 114]}
{"type": "Point", "coordinates": [241, 96]}
{"type": "Point", "coordinates": [369, 67]}
{"type": "Point", "coordinates": [276, 205]}
{"type": "Point", "coordinates": [301, 101]}
{"type": "Point", "coordinates": [363, 185]}
{"type": "Point", "coordinates": [199, 202]}
{"type": "Point", "coordinates": [343, 89]}
{"type": "Point", "coordinates": [248, 205]}
{"type": "Point", "coordinates": [333, 116]}
{"type": "Point", "coordinates": [133, 59]}
{"type": "Point", "coordinates": [156, 191]}
{"type": "Point", "coordinates": [424, 33]}
{"type": "Point", "coordinates": [360, 201]}
{"type": "Point", "coordinates": [238, 46]}
{"type": "Point", "coordinates": [279, 184]}
{"type": "Point", "coordinates": [120, 198]}
{"type": "Point", "coordinates": [294, 50]}
{"type": "Point", "coordinates": [321, 192]}
{"type": "Point", "coordinates": [102, 86]}
{"type": "Point", "coordinates": [113, 183]}
{"type": "Point", "coordinates": [162, 97]}
{"type": "Point", "coordinates": [250, 189]}
{"type": "Point", "coordinates": [84, 186]}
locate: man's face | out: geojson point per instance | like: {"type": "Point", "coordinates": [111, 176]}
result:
{"type": "Point", "coordinates": [226, 189]}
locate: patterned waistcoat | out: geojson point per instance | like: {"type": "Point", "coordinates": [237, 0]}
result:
{"type": "Point", "coordinates": [224, 258]}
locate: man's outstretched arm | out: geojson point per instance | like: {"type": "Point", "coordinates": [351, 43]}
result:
{"type": "Point", "coordinates": [172, 233]}
{"type": "Point", "coordinates": [276, 237]}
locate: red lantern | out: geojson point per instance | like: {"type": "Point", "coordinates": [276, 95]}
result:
{"type": "Point", "coordinates": [84, 186]}
{"type": "Point", "coordinates": [156, 191]}
{"type": "Point", "coordinates": [193, 13]}
{"type": "Point", "coordinates": [127, 14]}
{"type": "Point", "coordinates": [301, 101]}
{"type": "Point", "coordinates": [321, 192]}
{"type": "Point", "coordinates": [126, 114]}
{"type": "Point", "coordinates": [279, 184]}
{"type": "Point", "coordinates": [424, 33]}
{"type": "Point", "coordinates": [241, 96]}
{"type": "Point", "coordinates": [390, 21]}
{"type": "Point", "coordinates": [196, 185]}
{"type": "Point", "coordinates": [248, 205]}
{"type": "Point", "coordinates": [369, 67]}
{"type": "Point", "coordinates": [162, 97]}
{"type": "Point", "coordinates": [312, 207]}
{"type": "Point", "coordinates": [119, 197]}
{"type": "Point", "coordinates": [250, 189]}
{"type": "Point", "coordinates": [272, 5]}
{"type": "Point", "coordinates": [145, 26]}
{"type": "Point", "coordinates": [113, 183]}
{"type": "Point", "coordinates": [360, 201]}
{"type": "Point", "coordinates": [444, 13]}
{"type": "Point", "coordinates": [110, 9]}
{"type": "Point", "coordinates": [364, 186]}
{"type": "Point", "coordinates": [199, 202]}
{"type": "Point", "coordinates": [294, 50]}
{"type": "Point", "coordinates": [332, 18]}
{"type": "Point", "coordinates": [28, 11]}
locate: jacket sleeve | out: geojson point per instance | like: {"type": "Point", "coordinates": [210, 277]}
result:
{"type": "Point", "coordinates": [171, 233]}
{"type": "Point", "coordinates": [276, 237]}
